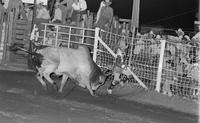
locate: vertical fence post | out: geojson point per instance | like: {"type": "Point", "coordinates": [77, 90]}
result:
{"type": "Point", "coordinates": [70, 32]}
{"type": "Point", "coordinates": [56, 36]}
{"type": "Point", "coordinates": [83, 29]}
{"type": "Point", "coordinates": [45, 32]}
{"type": "Point", "coordinates": [160, 66]}
{"type": "Point", "coordinates": [131, 51]}
{"type": "Point", "coordinates": [95, 44]}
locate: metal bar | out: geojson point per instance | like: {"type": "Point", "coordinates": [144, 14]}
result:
{"type": "Point", "coordinates": [96, 44]}
{"type": "Point", "coordinates": [138, 80]}
{"type": "Point", "coordinates": [106, 46]}
{"type": "Point", "coordinates": [70, 32]}
{"type": "Point", "coordinates": [45, 31]}
{"type": "Point", "coordinates": [131, 52]}
{"type": "Point", "coordinates": [83, 35]}
{"type": "Point", "coordinates": [160, 66]}
{"type": "Point", "coordinates": [56, 35]}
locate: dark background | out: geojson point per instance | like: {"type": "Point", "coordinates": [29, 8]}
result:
{"type": "Point", "coordinates": [172, 14]}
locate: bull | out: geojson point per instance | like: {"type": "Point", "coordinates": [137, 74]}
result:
{"type": "Point", "coordinates": [75, 64]}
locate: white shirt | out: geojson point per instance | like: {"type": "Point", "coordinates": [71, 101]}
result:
{"type": "Point", "coordinates": [43, 13]}
{"type": "Point", "coordinates": [80, 6]}
{"type": "Point", "coordinates": [75, 6]}
{"type": "Point", "coordinates": [6, 2]}
{"type": "Point", "coordinates": [58, 15]}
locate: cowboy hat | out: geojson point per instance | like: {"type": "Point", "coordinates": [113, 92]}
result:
{"type": "Point", "coordinates": [108, 2]}
{"type": "Point", "coordinates": [57, 4]}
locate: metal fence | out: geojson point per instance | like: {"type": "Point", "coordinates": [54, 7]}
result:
{"type": "Point", "coordinates": [165, 66]}
{"type": "Point", "coordinates": [66, 36]}
{"type": "Point", "coordinates": [181, 70]}
{"type": "Point", "coordinates": [145, 61]}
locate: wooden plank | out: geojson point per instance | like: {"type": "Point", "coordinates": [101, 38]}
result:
{"type": "Point", "coordinates": [22, 22]}
{"type": "Point", "coordinates": [21, 27]}
{"type": "Point", "coordinates": [21, 32]}
{"type": "Point", "coordinates": [21, 37]}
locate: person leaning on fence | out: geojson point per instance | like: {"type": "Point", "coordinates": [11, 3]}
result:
{"type": "Point", "coordinates": [116, 25]}
{"type": "Point", "coordinates": [82, 12]}
{"type": "Point", "coordinates": [75, 11]}
{"type": "Point", "coordinates": [104, 15]}
{"type": "Point", "coordinates": [42, 16]}
{"type": "Point", "coordinates": [66, 8]}
{"type": "Point", "coordinates": [58, 14]}
{"type": "Point", "coordinates": [42, 12]}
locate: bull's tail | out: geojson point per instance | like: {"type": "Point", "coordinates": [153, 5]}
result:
{"type": "Point", "coordinates": [22, 49]}
{"type": "Point", "coordinates": [17, 46]}
{"type": "Point", "coordinates": [36, 57]}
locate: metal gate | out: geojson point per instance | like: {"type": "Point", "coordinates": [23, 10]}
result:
{"type": "Point", "coordinates": [15, 31]}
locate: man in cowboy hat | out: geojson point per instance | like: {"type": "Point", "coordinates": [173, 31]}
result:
{"type": "Point", "coordinates": [66, 8]}
{"type": "Point", "coordinates": [42, 12]}
{"type": "Point", "coordinates": [105, 15]}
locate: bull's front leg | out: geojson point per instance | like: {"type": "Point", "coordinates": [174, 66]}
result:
{"type": "Point", "coordinates": [91, 91]}
{"type": "Point", "coordinates": [39, 76]}
{"type": "Point", "coordinates": [47, 77]}
{"type": "Point", "coordinates": [90, 88]}
{"type": "Point", "coordinates": [64, 80]}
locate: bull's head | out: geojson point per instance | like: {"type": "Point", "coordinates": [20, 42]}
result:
{"type": "Point", "coordinates": [99, 82]}
{"type": "Point", "coordinates": [97, 77]}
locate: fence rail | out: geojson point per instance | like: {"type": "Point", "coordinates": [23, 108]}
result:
{"type": "Point", "coordinates": [167, 67]}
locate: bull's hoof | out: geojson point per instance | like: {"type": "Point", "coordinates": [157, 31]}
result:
{"type": "Point", "coordinates": [95, 95]}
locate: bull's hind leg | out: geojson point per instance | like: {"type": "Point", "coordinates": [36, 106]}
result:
{"type": "Point", "coordinates": [64, 80]}
{"type": "Point", "coordinates": [47, 77]}
{"type": "Point", "coordinates": [48, 70]}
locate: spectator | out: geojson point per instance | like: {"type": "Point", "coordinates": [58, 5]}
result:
{"type": "Point", "coordinates": [42, 12]}
{"type": "Point", "coordinates": [102, 4]}
{"type": "Point", "coordinates": [116, 25]}
{"type": "Point", "coordinates": [42, 16]}
{"type": "Point", "coordinates": [83, 11]}
{"type": "Point", "coordinates": [66, 10]}
{"type": "Point", "coordinates": [105, 15]}
{"type": "Point", "coordinates": [180, 33]}
{"type": "Point", "coordinates": [28, 11]}
{"type": "Point", "coordinates": [58, 14]}
{"type": "Point", "coordinates": [68, 21]}
{"type": "Point", "coordinates": [79, 12]}
{"type": "Point", "coordinates": [75, 10]}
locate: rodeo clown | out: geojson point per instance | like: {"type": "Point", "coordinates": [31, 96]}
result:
{"type": "Point", "coordinates": [117, 71]}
